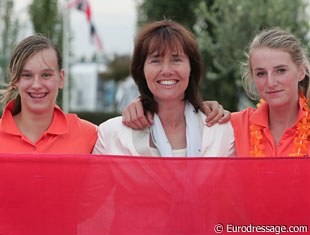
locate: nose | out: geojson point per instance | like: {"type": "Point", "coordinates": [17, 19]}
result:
{"type": "Point", "coordinates": [271, 80]}
{"type": "Point", "coordinates": [36, 82]}
{"type": "Point", "coordinates": [166, 68]}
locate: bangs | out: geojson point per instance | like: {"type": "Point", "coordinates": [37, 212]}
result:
{"type": "Point", "coordinates": [163, 42]}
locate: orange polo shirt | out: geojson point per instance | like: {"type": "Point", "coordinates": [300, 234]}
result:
{"type": "Point", "coordinates": [241, 122]}
{"type": "Point", "coordinates": [66, 134]}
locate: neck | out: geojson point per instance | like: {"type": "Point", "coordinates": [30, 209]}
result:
{"type": "Point", "coordinates": [33, 125]}
{"type": "Point", "coordinates": [173, 121]}
{"type": "Point", "coordinates": [171, 114]}
{"type": "Point", "coordinates": [280, 119]}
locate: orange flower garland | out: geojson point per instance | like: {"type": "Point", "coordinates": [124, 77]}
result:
{"type": "Point", "coordinates": [300, 141]}
{"type": "Point", "coordinates": [303, 131]}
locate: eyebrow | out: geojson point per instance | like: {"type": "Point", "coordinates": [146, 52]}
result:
{"type": "Point", "coordinates": [278, 66]}
{"type": "Point", "coordinates": [179, 55]}
{"type": "Point", "coordinates": [281, 66]}
{"type": "Point", "coordinates": [153, 55]}
{"type": "Point", "coordinates": [44, 70]}
{"type": "Point", "coordinates": [176, 54]}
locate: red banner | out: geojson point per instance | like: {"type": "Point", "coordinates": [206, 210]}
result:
{"type": "Point", "coordinates": [92, 195]}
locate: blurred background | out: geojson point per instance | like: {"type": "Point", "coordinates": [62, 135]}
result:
{"type": "Point", "coordinates": [96, 40]}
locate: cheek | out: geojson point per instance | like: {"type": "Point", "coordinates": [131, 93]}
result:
{"type": "Point", "coordinates": [259, 83]}
{"type": "Point", "coordinates": [186, 72]}
{"type": "Point", "coordinates": [22, 85]}
{"type": "Point", "coordinates": [186, 75]}
{"type": "Point", "coordinates": [147, 71]}
{"type": "Point", "coordinates": [53, 85]}
{"type": "Point", "coordinates": [149, 75]}
{"type": "Point", "coordinates": [146, 75]}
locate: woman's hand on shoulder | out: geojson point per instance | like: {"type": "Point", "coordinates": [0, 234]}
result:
{"type": "Point", "coordinates": [215, 113]}
{"type": "Point", "coordinates": [134, 117]}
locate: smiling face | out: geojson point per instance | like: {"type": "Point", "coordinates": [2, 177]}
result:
{"type": "Point", "coordinates": [39, 82]}
{"type": "Point", "coordinates": [167, 75]}
{"type": "Point", "coordinates": [276, 76]}
{"type": "Point", "coordinates": [166, 64]}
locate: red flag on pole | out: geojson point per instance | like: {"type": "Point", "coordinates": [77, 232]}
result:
{"type": "Point", "coordinates": [83, 5]}
{"type": "Point", "coordinates": [95, 36]}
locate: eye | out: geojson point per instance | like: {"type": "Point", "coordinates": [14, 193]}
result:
{"type": "Point", "coordinates": [154, 61]}
{"type": "Point", "coordinates": [25, 75]}
{"type": "Point", "coordinates": [176, 59]}
{"type": "Point", "coordinates": [260, 73]}
{"type": "Point", "coordinates": [46, 75]}
{"type": "Point", "coordinates": [281, 70]}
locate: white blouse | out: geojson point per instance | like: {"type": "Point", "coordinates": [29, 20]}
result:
{"type": "Point", "coordinates": [114, 138]}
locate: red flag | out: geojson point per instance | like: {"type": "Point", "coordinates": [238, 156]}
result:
{"type": "Point", "coordinates": [95, 195]}
{"type": "Point", "coordinates": [83, 5]}
{"type": "Point", "coordinates": [95, 37]}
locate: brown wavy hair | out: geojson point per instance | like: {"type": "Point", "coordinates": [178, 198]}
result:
{"type": "Point", "coordinates": [160, 36]}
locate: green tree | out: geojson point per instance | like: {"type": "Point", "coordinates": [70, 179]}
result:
{"type": "Point", "coordinates": [179, 10]}
{"type": "Point", "coordinates": [118, 67]}
{"type": "Point", "coordinates": [225, 28]}
{"type": "Point", "coordinates": [46, 19]}
{"type": "Point", "coordinates": [9, 28]}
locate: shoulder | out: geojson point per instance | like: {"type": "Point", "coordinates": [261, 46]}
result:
{"type": "Point", "coordinates": [216, 127]}
{"type": "Point", "coordinates": [225, 128]}
{"type": "Point", "coordinates": [114, 138]}
{"type": "Point", "coordinates": [74, 119]}
{"type": "Point", "coordinates": [217, 140]}
{"type": "Point", "coordinates": [78, 125]}
{"type": "Point", "coordinates": [245, 112]}
{"type": "Point", "coordinates": [113, 127]}
{"type": "Point", "coordinates": [112, 124]}
{"type": "Point", "coordinates": [242, 117]}
{"type": "Point", "coordinates": [217, 131]}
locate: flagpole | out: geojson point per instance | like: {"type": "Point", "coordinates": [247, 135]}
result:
{"type": "Point", "coordinates": [66, 49]}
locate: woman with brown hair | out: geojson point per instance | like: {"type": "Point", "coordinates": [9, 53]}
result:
{"type": "Point", "coordinates": [166, 66]}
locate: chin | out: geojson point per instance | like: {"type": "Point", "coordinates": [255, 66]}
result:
{"type": "Point", "coordinates": [40, 110]}
{"type": "Point", "coordinates": [278, 103]}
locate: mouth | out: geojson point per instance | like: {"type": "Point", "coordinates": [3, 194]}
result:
{"type": "Point", "coordinates": [37, 95]}
{"type": "Point", "coordinates": [273, 92]}
{"type": "Point", "coordinates": [167, 82]}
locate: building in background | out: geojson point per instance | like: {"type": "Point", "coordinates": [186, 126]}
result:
{"type": "Point", "coordinates": [86, 87]}
{"type": "Point", "coordinates": [92, 91]}
{"type": "Point", "coordinates": [126, 91]}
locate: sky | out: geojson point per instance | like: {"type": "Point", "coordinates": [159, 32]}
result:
{"type": "Point", "coordinates": [115, 22]}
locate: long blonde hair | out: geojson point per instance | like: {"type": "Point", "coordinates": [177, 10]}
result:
{"type": "Point", "coordinates": [276, 38]}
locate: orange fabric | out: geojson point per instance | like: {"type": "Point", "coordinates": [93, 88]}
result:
{"type": "Point", "coordinates": [241, 122]}
{"type": "Point", "coordinates": [66, 134]}
{"type": "Point", "coordinates": [96, 195]}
